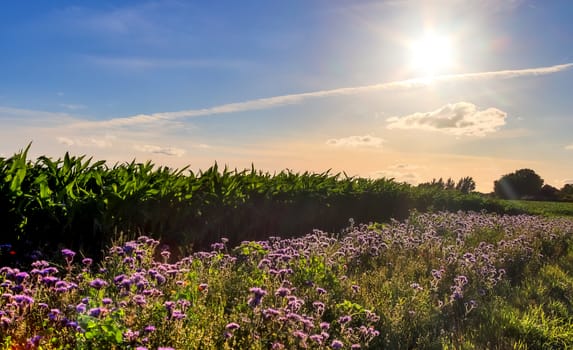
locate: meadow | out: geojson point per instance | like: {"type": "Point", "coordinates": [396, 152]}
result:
{"type": "Point", "coordinates": [433, 281]}
{"type": "Point", "coordinates": [545, 208]}
{"type": "Point", "coordinates": [138, 257]}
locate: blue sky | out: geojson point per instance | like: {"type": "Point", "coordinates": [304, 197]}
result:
{"type": "Point", "coordinates": [412, 90]}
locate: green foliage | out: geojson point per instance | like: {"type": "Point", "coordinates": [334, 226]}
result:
{"type": "Point", "coordinates": [81, 204]}
{"type": "Point", "coordinates": [538, 207]}
{"type": "Point", "coordinates": [566, 192]}
{"type": "Point", "coordinates": [84, 204]}
{"type": "Point", "coordinates": [100, 333]}
{"type": "Point", "coordinates": [520, 184]}
{"type": "Point", "coordinates": [466, 185]}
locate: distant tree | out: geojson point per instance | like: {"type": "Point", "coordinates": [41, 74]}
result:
{"type": "Point", "coordinates": [566, 192]}
{"type": "Point", "coordinates": [523, 183]}
{"type": "Point", "coordinates": [435, 184]}
{"type": "Point", "coordinates": [450, 184]}
{"type": "Point", "coordinates": [548, 193]}
{"type": "Point", "coordinates": [466, 185]}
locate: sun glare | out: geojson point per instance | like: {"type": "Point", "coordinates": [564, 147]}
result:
{"type": "Point", "coordinates": [432, 54]}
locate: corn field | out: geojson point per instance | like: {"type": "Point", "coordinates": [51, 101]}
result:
{"type": "Point", "coordinates": [84, 204]}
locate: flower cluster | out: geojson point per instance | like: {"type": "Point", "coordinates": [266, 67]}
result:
{"type": "Point", "coordinates": [320, 291]}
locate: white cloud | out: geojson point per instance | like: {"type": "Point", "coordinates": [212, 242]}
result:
{"type": "Point", "coordinates": [65, 141]}
{"type": "Point", "coordinates": [461, 118]}
{"type": "Point", "coordinates": [33, 116]}
{"type": "Point", "coordinates": [569, 147]}
{"type": "Point", "coordinates": [276, 101]}
{"type": "Point", "coordinates": [169, 151]}
{"type": "Point", "coordinates": [104, 142]}
{"type": "Point", "coordinates": [366, 141]}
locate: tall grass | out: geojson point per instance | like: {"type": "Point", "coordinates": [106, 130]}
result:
{"type": "Point", "coordinates": [82, 204]}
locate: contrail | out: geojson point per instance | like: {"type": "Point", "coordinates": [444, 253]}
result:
{"type": "Point", "coordinates": [270, 102]}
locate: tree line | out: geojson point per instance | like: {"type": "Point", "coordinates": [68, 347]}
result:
{"type": "Point", "coordinates": [526, 184]}
{"type": "Point", "coordinates": [521, 184]}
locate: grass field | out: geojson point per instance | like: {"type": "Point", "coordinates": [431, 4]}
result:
{"type": "Point", "coordinates": [541, 207]}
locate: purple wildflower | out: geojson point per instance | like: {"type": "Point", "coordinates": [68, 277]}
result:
{"type": "Point", "coordinates": [217, 246]}
{"type": "Point", "coordinates": [53, 314]}
{"type": "Point", "coordinates": [336, 344]}
{"type": "Point", "coordinates": [317, 338]}
{"type": "Point", "coordinates": [232, 326]}
{"type": "Point", "coordinates": [96, 312]}
{"type": "Point", "coordinates": [5, 321]}
{"type": "Point", "coordinates": [21, 276]}
{"type": "Point", "coordinates": [34, 341]}
{"type": "Point", "coordinates": [259, 294]}
{"type": "Point", "coordinates": [160, 278]}
{"type": "Point", "coordinates": [177, 315]}
{"type": "Point", "coordinates": [81, 308]}
{"type": "Point", "coordinates": [139, 299]}
{"type": "Point", "coordinates": [68, 254]}
{"type": "Point", "coordinates": [23, 299]}
{"type": "Point", "coordinates": [40, 264]}
{"type": "Point", "coordinates": [98, 283]}
{"type": "Point", "coordinates": [282, 292]}
{"type": "Point", "coordinates": [130, 336]}
{"type": "Point", "coordinates": [300, 334]}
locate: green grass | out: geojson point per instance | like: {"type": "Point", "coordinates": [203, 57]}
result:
{"type": "Point", "coordinates": [540, 207]}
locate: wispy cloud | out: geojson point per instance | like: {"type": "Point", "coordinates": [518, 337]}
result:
{"type": "Point", "coordinates": [366, 141]}
{"type": "Point", "coordinates": [569, 147]}
{"type": "Point", "coordinates": [169, 151]}
{"type": "Point", "coordinates": [399, 172]}
{"type": "Point", "coordinates": [103, 142]}
{"type": "Point", "coordinates": [35, 117]}
{"type": "Point", "coordinates": [72, 106]}
{"type": "Point", "coordinates": [276, 101]}
{"type": "Point", "coordinates": [462, 118]}
{"type": "Point", "coordinates": [142, 63]}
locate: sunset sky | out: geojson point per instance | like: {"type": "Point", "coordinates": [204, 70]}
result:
{"type": "Point", "coordinates": [411, 90]}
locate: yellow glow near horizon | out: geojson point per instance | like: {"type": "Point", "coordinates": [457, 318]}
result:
{"type": "Point", "coordinates": [432, 54]}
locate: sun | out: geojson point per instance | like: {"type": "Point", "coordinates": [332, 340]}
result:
{"type": "Point", "coordinates": [431, 54]}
